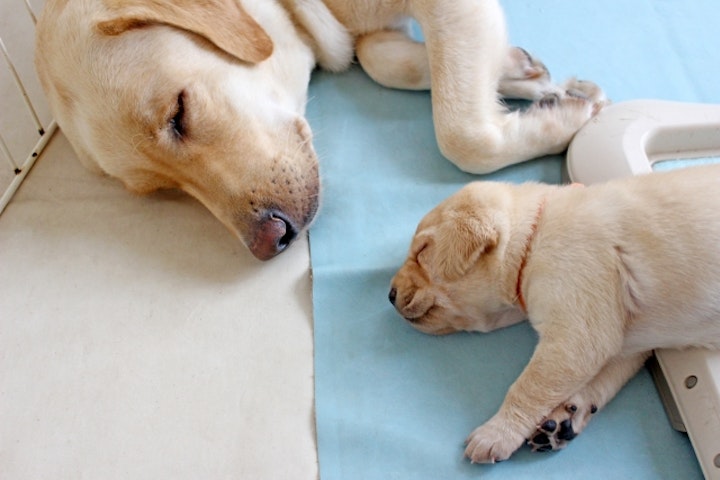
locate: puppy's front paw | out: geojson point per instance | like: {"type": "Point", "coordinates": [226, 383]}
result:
{"type": "Point", "coordinates": [562, 425]}
{"type": "Point", "coordinates": [492, 442]}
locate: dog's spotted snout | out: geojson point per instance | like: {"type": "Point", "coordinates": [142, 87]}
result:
{"type": "Point", "coordinates": [392, 296]}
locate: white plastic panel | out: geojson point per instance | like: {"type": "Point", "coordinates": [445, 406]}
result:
{"type": "Point", "coordinates": [627, 139]}
{"type": "Point", "coordinates": [25, 120]}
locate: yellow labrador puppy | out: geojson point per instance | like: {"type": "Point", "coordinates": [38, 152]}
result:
{"type": "Point", "coordinates": [209, 96]}
{"type": "Point", "coordinates": [604, 273]}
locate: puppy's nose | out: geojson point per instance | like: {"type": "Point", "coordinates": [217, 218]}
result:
{"type": "Point", "coordinates": [392, 295]}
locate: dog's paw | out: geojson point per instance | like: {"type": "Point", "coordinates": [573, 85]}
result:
{"type": "Point", "coordinates": [588, 92]}
{"type": "Point", "coordinates": [492, 442]}
{"type": "Point", "coordinates": [524, 77]}
{"type": "Point", "coordinates": [560, 114]}
{"type": "Point", "coordinates": [576, 95]}
{"type": "Point", "coordinates": [562, 425]}
{"type": "Point", "coordinates": [520, 65]}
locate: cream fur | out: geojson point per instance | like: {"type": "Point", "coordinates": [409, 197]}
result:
{"type": "Point", "coordinates": [119, 73]}
{"type": "Point", "coordinates": [611, 272]}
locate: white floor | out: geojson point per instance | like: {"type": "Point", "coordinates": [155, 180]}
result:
{"type": "Point", "coordinates": [140, 340]}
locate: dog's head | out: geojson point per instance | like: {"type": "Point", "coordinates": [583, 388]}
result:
{"type": "Point", "coordinates": [189, 95]}
{"type": "Point", "coordinates": [453, 278]}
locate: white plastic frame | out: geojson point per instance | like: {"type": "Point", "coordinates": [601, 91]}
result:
{"type": "Point", "coordinates": [627, 139]}
{"type": "Point", "coordinates": [18, 164]}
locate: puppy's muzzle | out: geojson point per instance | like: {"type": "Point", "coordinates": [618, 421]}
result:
{"type": "Point", "coordinates": [412, 307]}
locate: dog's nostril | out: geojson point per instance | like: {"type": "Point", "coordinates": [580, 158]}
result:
{"type": "Point", "coordinates": [274, 232]}
{"type": "Point", "coordinates": [392, 296]}
{"type": "Point", "coordinates": [290, 232]}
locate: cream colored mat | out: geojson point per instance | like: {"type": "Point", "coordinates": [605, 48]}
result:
{"type": "Point", "coordinates": [140, 340]}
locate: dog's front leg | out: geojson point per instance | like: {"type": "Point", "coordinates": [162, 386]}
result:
{"type": "Point", "coordinates": [558, 368]}
{"type": "Point", "coordinates": [467, 51]}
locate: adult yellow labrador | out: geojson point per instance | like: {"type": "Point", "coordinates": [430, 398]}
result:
{"type": "Point", "coordinates": [208, 96]}
{"type": "Point", "coordinates": [604, 273]}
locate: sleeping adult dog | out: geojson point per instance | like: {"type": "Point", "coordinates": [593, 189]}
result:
{"type": "Point", "coordinates": [208, 96]}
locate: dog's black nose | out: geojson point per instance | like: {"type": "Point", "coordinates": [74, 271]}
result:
{"type": "Point", "coordinates": [392, 295]}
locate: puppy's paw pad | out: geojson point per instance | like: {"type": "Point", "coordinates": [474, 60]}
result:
{"type": "Point", "coordinates": [560, 427]}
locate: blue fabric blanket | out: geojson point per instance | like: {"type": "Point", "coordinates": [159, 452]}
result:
{"type": "Point", "coordinates": [392, 403]}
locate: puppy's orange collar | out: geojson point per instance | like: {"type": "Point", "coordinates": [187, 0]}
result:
{"type": "Point", "coordinates": [528, 244]}
{"type": "Point", "coordinates": [533, 230]}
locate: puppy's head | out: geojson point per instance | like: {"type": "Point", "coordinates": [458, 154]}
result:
{"type": "Point", "coordinates": [452, 279]}
{"type": "Point", "coordinates": [189, 95]}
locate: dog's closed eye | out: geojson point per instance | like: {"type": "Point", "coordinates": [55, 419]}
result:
{"type": "Point", "coordinates": [178, 121]}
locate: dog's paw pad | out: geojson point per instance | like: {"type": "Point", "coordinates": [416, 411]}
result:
{"type": "Point", "coordinates": [571, 104]}
{"type": "Point", "coordinates": [560, 427]}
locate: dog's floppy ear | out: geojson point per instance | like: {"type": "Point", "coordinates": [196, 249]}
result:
{"type": "Point", "coordinates": [222, 22]}
{"type": "Point", "coordinates": [462, 240]}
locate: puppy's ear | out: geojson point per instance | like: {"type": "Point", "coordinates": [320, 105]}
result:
{"type": "Point", "coordinates": [222, 22]}
{"type": "Point", "coordinates": [461, 241]}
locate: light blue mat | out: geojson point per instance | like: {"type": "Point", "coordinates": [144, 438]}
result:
{"type": "Point", "coordinates": [392, 403]}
